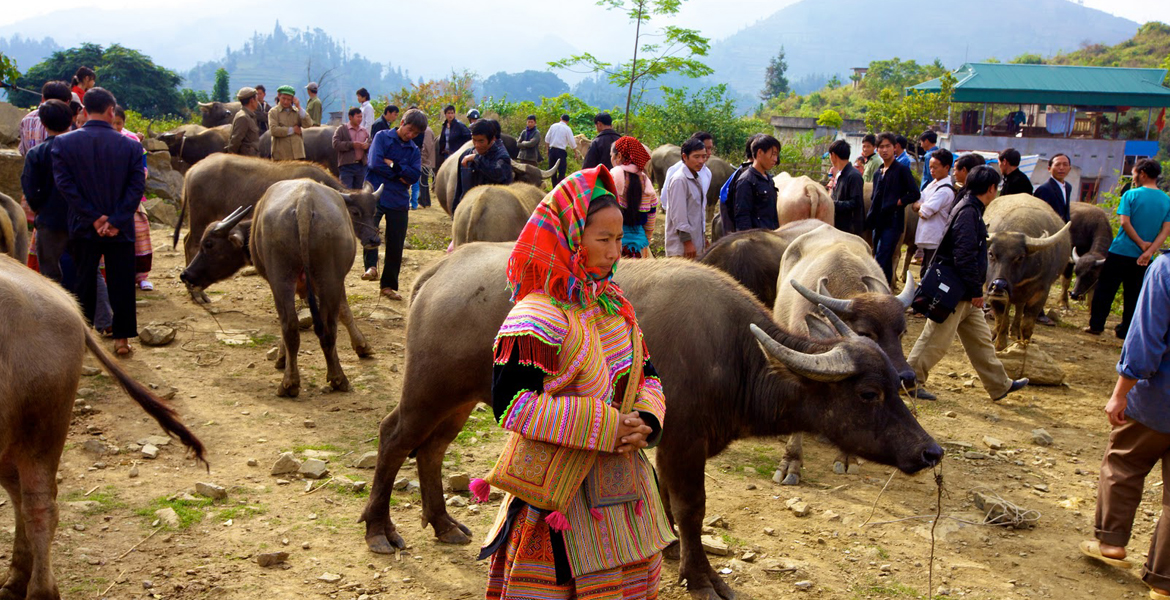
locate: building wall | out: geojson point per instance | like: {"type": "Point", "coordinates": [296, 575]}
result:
{"type": "Point", "coordinates": [1102, 159]}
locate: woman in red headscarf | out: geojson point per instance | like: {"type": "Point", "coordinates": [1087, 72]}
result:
{"type": "Point", "coordinates": [572, 380]}
{"type": "Point", "coordinates": [635, 194]}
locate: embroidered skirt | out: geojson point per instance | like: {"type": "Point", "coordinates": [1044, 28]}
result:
{"type": "Point", "coordinates": [143, 252]}
{"type": "Point", "coordinates": [524, 568]}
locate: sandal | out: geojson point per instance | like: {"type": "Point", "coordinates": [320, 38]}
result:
{"type": "Point", "coordinates": [1092, 549]}
{"type": "Point", "coordinates": [391, 294]}
{"type": "Point", "coordinates": [1156, 595]}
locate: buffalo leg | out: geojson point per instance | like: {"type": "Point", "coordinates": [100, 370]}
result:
{"type": "Point", "coordinates": [290, 339]}
{"type": "Point", "coordinates": [1001, 324]}
{"type": "Point", "coordinates": [430, 479]}
{"type": "Point", "coordinates": [20, 570]}
{"type": "Point", "coordinates": [846, 463]}
{"type": "Point", "coordinates": [1065, 280]}
{"type": "Point", "coordinates": [793, 460]}
{"type": "Point", "coordinates": [683, 469]}
{"type": "Point", "coordinates": [327, 334]}
{"type": "Point", "coordinates": [356, 339]}
{"type": "Point", "coordinates": [38, 487]}
{"type": "Point", "coordinates": [1030, 312]}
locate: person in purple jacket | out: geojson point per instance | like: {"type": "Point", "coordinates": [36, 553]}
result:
{"type": "Point", "coordinates": [98, 172]}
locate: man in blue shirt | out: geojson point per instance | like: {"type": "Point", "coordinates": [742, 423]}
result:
{"type": "Point", "coordinates": [929, 142]}
{"type": "Point", "coordinates": [396, 163]}
{"type": "Point", "coordinates": [1139, 412]}
{"type": "Point", "coordinates": [1145, 222]}
{"type": "Point", "coordinates": [99, 173]}
{"type": "Point", "coordinates": [900, 153]}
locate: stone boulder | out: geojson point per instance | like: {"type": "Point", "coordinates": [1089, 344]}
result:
{"type": "Point", "coordinates": [10, 117]}
{"type": "Point", "coordinates": [160, 211]}
{"type": "Point", "coordinates": [155, 145]}
{"type": "Point", "coordinates": [162, 179]}
{"type": "Point", "coordinates": [1031, 362]}
{"type": "Point", "coordinates": [11, 165]}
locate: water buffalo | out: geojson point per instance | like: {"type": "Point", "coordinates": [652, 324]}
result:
{"type": "Point", "coordinates": [753, 257]}
{"type": "Point", "coordinates": [13, 229]}
{"type": "Point", "coordinates": [36, 407]}
{"type": "Point", "coordinates": [299, 241]}
{"type": "Point", "coordinates": [318, 146]}
{"type": "Point", "coordinates": [1091, 235]}
{"type": "Point", "coordinates": [802, 198]}
{"type": "Point", "coordinates": [221, 184]}
{"type": "Point", "coordinates": [494, 213]}
{"type": "Point", "coordinates": [447, 176]}
{"type": "Point", "coordinates": [850, 283]}
{"type": "Point", "coordinates": [769, 382]}
{"type": "Point", "coordinates": [1026, 251]}
{"type": "Point", "coordinates": [218, 113]}
{"type": "Point", "coordinates": [190, 144]}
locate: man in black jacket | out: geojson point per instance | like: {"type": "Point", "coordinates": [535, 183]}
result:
{"type": "Point", "coordinates": [755, 192]}
{"type": "Point", "coordinates": [894, 188]}
{"type": "Point", "coordinates": [36, 181]}
{"type": "Point", "coordinates": [848, 194]}
{"type": "Point", "coordinates": [599, 149]}
{"type": "Point", "coordinates": [1014, 180]}
{"type": "Point", "coordinates": [964, 250]}
{"type": "Point", "coordinates": [387, 122]}
{"type": "Point", "coordinates": [452, 137]}
{"type": "Point", "coordinates": [1056, 191]}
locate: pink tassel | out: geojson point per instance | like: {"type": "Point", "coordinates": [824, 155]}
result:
{"type": "Point", "coordinates": [597, 514]}
{"type": "Point", "coordinates": [480, 489]}
{"type": "Point", "coordinates": [638, 508]}
{"type": "Point", "coordinates": [557, 521]}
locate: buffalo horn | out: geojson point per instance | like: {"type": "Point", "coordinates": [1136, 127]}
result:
{"type": "Point", "coordinates": [833, 365]}
{"type": "Point", "coordinates": [1075, 255]}
{"type": "Point", "coordinates": [378, 192]}
{"type": "Point", "coordinates": [233, 219]}
{"type": "Point", "coordinates": [518, 169]}
{"type": "Point", "coordinates": [907, 295]}
{"type": "Point", "coordinates": [149, 124]}
{"type": "Point", "coordinates": [875, 285]}
{"type": "Point", "coordinates": [549, 173]}
{"type": "Point", "coordinates": [1038, 244]}
{"type": "Point", "coordinates": [836, 321]}
{"type": "Point", "coordinates": [204, 105]}
{"type": "Point", "coordinates": [841, 307]}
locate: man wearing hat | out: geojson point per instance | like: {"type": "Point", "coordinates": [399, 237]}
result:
{"type": "Point", "coordinates": [472, 117]}
{"type": "Point", "coordinates": [286, 120]}
{"type": "Point", "coordinates": [313, 106]}
{"type": "Point", "coordinates": [245, 138]}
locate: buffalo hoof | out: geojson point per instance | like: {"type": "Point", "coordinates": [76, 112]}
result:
{"type": "Point", "coordinates": [288, 390]}
{"type": "Point", "coordinates": [839, 468]}
{"type": "Point", "coordinates": [380, 543]}
{"type": "Point", "coordinates": [340, 384]}
{"type": "Point", "coordinates": [791, 479]}
{"type": "Point", "coordinates": [711, 587]}
{"type": "Point", "coordinates": [365, 351]}
{"type": "Point", "coordinates": [671, 552]}
{"type": "Point", "coordinates": [453, 532]}
{"type": "Point", "coordinates": [279, 364]}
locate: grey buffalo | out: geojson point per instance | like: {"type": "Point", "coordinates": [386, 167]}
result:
{"type": "Point", "coordinates": [190, 144]}
{"type": "Point", "coordinates": [1027, 250]}
{"type": "Point", "coordinates": [218, 113]}
{"type": "Point", "coordinates": [448, 176]}
{"type": "Point", "coordinates": [770, 382]}
{"type": "Point", "coordinates": [13, 229]}
{"type": "Point", "coordinates": [494, 213]}
{"type": "Point", "coordinates": [299, 241]}
{"type": "Point", "coordinates": [1091, 235]}
{"type": "Point", "coordinates": [318, 146]}
{"type": "Point", "coordinates": [36, 407]}
{"type": "Point", "coordinates": [221, 184]}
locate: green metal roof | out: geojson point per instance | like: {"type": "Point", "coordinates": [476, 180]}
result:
{"type": "Point", "coordinates": [1056, 84]}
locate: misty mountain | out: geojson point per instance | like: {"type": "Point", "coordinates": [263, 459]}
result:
{"type": "Point", "coordinates": [27, 51]}
{"type": "Point", "coordinates": [833, 36]}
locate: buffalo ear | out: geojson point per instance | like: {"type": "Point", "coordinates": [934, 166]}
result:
{"type": "Point", "coordinates": [349, 199]}
{"type": "Point", "coordinates": [236, 237]}
{"type": "Point", "coordinates": [819, 329]}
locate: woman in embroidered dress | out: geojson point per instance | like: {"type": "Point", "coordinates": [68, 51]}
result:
{"type": "Point", "coordinates": [563, 361]}
{"type": "Point", "coordinates": [635, 194]}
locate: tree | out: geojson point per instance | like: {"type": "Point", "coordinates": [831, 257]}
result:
{"type": "Point", "coordinates": [896, 74]}
{"type": "Point", "coordinates": [1029, 58]}
{"type": "Point", "coordinates": [432, 96]}
{"type": "Point", "coordinates": [709, 109]}
{"type": "Point", "coordinates": [8, 72]}
{"type": "Point", "coordinates": [909, 115]}
{"type": "Point", "coordinates": [830, 118]}
{"type": "Point", "coordinates": [775, 81]}
{"type": "Point", "coordinates": [675, 50]}
{"type": "Point", "coordinates": [528, 85]}
{"type": "Point", "coordinates": [220, 92]}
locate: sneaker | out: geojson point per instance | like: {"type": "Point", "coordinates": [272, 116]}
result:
{"type": "Point", "coordinates": [146, 286]}
{"type": "Point", "coordinates": [371, 274]}
{"type": "Point", "coordinates": [1017, 385]}
{"type": "Point", "coordinates": [922, 394]}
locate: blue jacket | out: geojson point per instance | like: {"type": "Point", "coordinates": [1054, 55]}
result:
{"type": "Point", "coordinates": [36, 181]}
{"type": "Point", "coordinates": [398, 180]}
{"type": "Point", "coordinates": [1145, 355]}
{"type": "Point", "coordinates": [98, 172]}
{"type": "Point", "coordinates": [1050, 193]}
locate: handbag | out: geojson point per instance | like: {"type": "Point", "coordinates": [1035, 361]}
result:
{"type": "Point", "coordinates": [548, 476]}
{"type": "Point", "coordinates": [940, 292]}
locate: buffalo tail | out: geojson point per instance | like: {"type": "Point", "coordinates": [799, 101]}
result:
{"type": "Point", "coordinates": [182, 212]}
{"type": "Point", "coordinates": [152, 404]}
{"type": "Point", "coordinates": [304, 222]}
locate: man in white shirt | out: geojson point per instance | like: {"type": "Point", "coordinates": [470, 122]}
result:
{"type": "Point", "coordinates": [934, 209]}
{"type": "Point", "coordinates": [368, 117]}
{"type": "Point", "coordinates": [686, 204]}
{"type": "Point", "coordinates": [704, 173]}
{"type": "Point", "coordinates": [559, 139]}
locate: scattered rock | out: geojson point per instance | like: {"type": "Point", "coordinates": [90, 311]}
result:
{"type": "Point", "coordinates": [160, 211]}
{"type": "Point", "coordinates": [133, 471]}
{"type": "Point", "coordinates": [314, 468]}
{"type": "Point", "coordinates": [162, 180]}
{"type": "Point", "coordinates": [11, 167]}
{"type": "Point", "coordinates": [831, 516]}
{"type": "Point", "coordinates": [804, 586]}
{"type": "Point", "coordinates": [369, 460]}
{"type": "Point", "coordinates": [457, 501]}
{"type": "Point", "coordinates": [84, 505]}
{"type": "Point", "coordinates": [10, 117]}
{"type": "Point", "coordinates": [1040, 487]}
{"type": "Point", "coordinates": [150, 451]}
{"type": "Point", "coordinates": [950, 414]}
{"type": "Point", "coordinates": [328, 577]}
{"type": "Point", "coordinates": [271, 558]}
{"type": "Point", "coordinates": [714, 545]}
{"type": "Point", "coordinates": [1040, 437]}
{"type": "Point", "coordinates": [357, 486]}
{"type": "Point", "coordinates": [272, 353]}
{"type": "Point", "coordinates": [1031, 362]}
{"type": "Point", "coordinates": [253, 462]}
{"type": "Point", "coordinates": [975, 456]}
{"type": "Point", "coordinates": [748, 557]}
{"type": "Point", "coordinates": [993, 443]}
{"type": "Point", "coordinates": [716, 521]}
{"type": "Point", "coordinates": [310, 424]}
{"type": "Point", "coordinates": [286, 464]}
{"type": "Point", "coordinates": [88, 371]}
{"type": "Point", "coordinates": [798, 508]}
{"type": "Point", "coordinates": [304, 318]}
{"type": "Point", "coordinates": [459, 483]}
{"type": "Point", "coordinates": [156, 440]}
{"type": "Point", "coordinates": [98, 447]}
{"type": "Point", "coordinates": [167, 516]}
{"type": "Point", "coordinates": [156, 335]}
{"type": "Point", "coordinates": [211, 490]}
{"type": "Point", "coordinates": [769, 531]}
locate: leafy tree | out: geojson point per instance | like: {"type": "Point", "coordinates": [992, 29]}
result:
{"type": "Point", "coordinates": [912, 113]}
{"type": "Point", "coordinates": [830, 118]}
{"type": "Point", "coordinates": [528, 85]}
{"type": "Point", "coordinates": [131, 76]}
{"type": "Point", "coordinates": [896, 74]}
{"type": "Point", "coordinates": [8, 72]}
{"type": "Point", "coordinates": [834, 82]}
{"type": "Point", "coordinates": [709, 109]}
{"type": "Point", "coordinates": [192, 98]}
{"type": "Point", "coordinates": [1029, 58]}
{"type": "Point", "coordinates": [673, 50]}
{"type": "Point", "coordinates": [220, 92]}
{"type": "Point", "coordinates": [431, 96]}
{"type": "Point", "coordinates": [775, 81]}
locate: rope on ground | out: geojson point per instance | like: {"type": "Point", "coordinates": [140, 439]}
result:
{"type": "Point", "coordinates": [873, 508]}
{"type": "Point", "coordinates": [1001, 511]}
{"type": "Point", "coordinates": [938, 483]}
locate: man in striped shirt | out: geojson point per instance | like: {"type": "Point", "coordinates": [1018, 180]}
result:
{"type": "Point", "coordinates": [31, 130]}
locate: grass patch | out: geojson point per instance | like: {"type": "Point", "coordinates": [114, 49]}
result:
{"type": "Point", "coordinates": [881, 552]}
{"type": "Point", "coordinates": [732, 541]}
{"type": "Point", "coordinates": [319, 447]}
{"type": "Point", "coordinates": [479, 426]}
{"type": "Point", "coordinates": [263, 339]}
{"type": "Point", "coordinates": [107, 500]}
{"type": "Point", "coordinates": [355, 298]}
{"type": "Point", "coordinates": [190, 511]}
{"type": "Point", "coordinates": [763, 460]}
{"type": "Point", "coordinates": [421, 240]}
{"type": "Point", "coordinates": [891, 589]}
{"type": "Point", "coordinates": [240, 512]}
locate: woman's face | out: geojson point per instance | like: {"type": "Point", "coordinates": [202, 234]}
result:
{"type": "Point", "coordinates": [615, 158]}
{"type": "Point", "coordinates": [88, 83]}
{"type": "Point", "coordinates": [603, 239]}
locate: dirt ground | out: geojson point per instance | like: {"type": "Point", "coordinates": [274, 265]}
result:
{"type": "Point", "coordinates": [224, 386]}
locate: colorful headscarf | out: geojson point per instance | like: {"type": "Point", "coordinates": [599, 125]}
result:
{"type": "Point", "coordinates": [550, 257]}
{"type": "Point", "coordinates": [632, 151]}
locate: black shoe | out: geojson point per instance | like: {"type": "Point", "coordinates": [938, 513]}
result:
{"type": "Point", "coordinates": [922, 394]}
{"type": "Point", "coordinates": [1017, 385]}
{"type": "Point", "coordinates": [1119, 332]}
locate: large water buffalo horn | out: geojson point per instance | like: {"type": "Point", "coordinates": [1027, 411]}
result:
{"type": "Point", "coordinates": [1038, 244]}
{"type": "Point", "coordinates": [833, 365]}
{"type": "Point", "coordinates": [836, 321]}
{"type": "Point", "coordinates": [551, 171]}
{"type": "Point", "coordinates": [233, 219]}
{"type": "Point", "coordinates": [907, 295]}
{"type": "Point", "coordinates": [204, 105]}
{"type": "Point", "coordinates": [841, 307]}
{"type": "Point", "coordinates": [378, 192]}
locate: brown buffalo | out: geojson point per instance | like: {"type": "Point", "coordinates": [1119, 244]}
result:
{"type": "Point", "coordinates": [190, 144]}
{"type": "Point", "coordinates": [217, 186]}
{"type": "Point", "coordinates": [753, 257]}
{"type": "Point", "coordinates": [447, 177]}
{"type": "Point", "coordinates": [1091, 235]}
{"type": "Point", "coordinates": [218, 113]}
{"type": "Point", "coordinates": [770, 382]}
{"type": "Point", "coordinates": [800, 198]}
{"type": "Point", "coordinates": [299, 237]}
{"type": "Point", "coordinates": [36, 406]}
{"type": "Point", "coordinates": [494, 213]}
{"type": "Point", "coordinates": [13, 229]}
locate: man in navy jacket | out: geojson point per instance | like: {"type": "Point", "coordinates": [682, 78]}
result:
{"type": "Point", "coordinates": [100, 174]}
{"type": "Point", "coordinates": [396, 163]}
{"type": "Point", "coordinates": [1056, 191]}
{"type": "Point", "coordinates": [36, 181]}
{"type": "Point", "coordinates": [894, 188]}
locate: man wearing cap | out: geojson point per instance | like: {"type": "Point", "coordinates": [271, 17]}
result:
{"type": "Point", "coordinates": [313, 106]}
{"type": "Point", "coordinates": [286, 121]}
{"type": "Point", "coordinates": [245, 137]}
{"type": "Point", "coordinates": [529, 143]}
{"type": "Point", "coordinates": [472, 117]}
